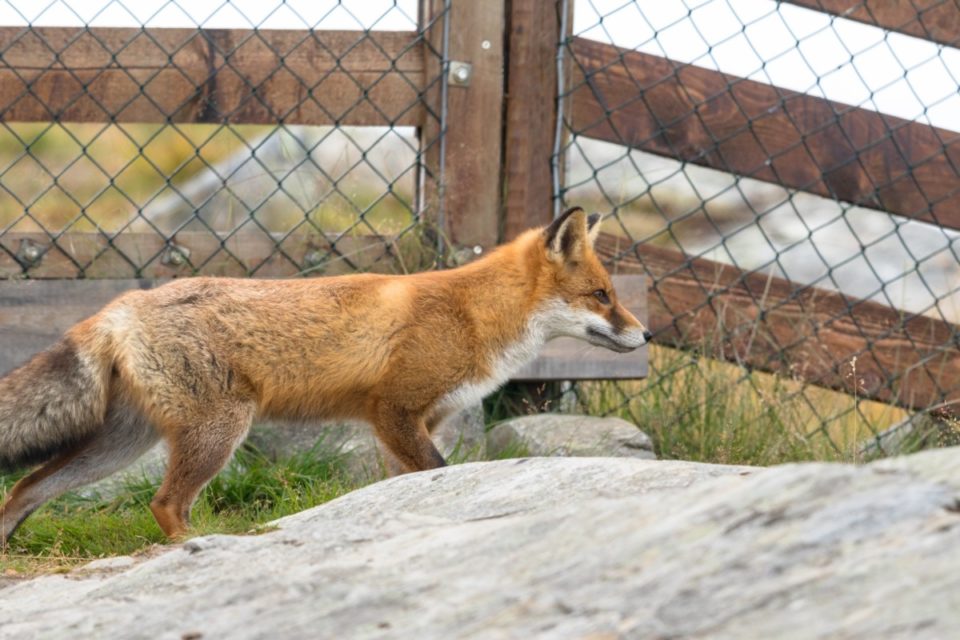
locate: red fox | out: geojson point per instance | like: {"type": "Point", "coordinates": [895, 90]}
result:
{"type": "Point", "coordinates": [195, 361]}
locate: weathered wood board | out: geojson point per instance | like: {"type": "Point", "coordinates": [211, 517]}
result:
{"type": "Point", "coordinates": [765, 132]}
{"type": "Point", "coordinates": [818, 336]}
{"type": "Point", "coordinates": [264, 76]}
{"type": "Point", "coordinates": [934, 20]}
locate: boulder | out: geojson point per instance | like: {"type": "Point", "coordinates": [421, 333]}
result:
{"type": "Point", "coordinates": [558, 547]}
{"type": "Point", "coordinates": [566, 435]}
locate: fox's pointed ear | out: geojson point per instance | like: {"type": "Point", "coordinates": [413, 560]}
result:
{"type": "Point", "coordinates": [567, 236]}
{"type": "Point", "coordinates": [593, 228]}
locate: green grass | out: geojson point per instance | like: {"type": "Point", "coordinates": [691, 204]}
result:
{"type": "Point", "coordinates": [251, 491]}
{"type": "Point", "coordinates": [705, 410]}
{"type": "Point", "coordinates": [702, 409]}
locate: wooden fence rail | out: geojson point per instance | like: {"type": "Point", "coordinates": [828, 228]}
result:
{"type": "Point", "coordinates": [934, 20]}
{"type": "Point", "coordinates": [771, 324]}
{"type": "Point", "coordinates": [68, 74]}
{"type": "Point", "coordinates": [764, 132]}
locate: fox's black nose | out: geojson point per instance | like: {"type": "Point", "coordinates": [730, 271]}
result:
{"type": "Point", "coordinates": [647, 336]}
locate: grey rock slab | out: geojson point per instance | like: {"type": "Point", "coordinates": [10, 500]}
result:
{"type": "Point", "coordinates": [559, 548]}
{"type": "Point", "coordinates": [570, 435]}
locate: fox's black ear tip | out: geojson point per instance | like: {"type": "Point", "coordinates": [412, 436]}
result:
{"type": "Point", "coordinates": [593, 219]}
{"type": "Point", "coordinates": [550, 232]}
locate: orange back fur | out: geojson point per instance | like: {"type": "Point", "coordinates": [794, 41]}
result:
{"type": "Point", "coordinates": [336, 347]}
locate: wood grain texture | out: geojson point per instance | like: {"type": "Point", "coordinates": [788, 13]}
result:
{"type": "Point", "coordinates": [470, 190]}
{"type": "Point", "coordinates": [210, 75]}
{"type": "Point", "coordinates": [764, 132]}
{"type": "Point", "coordinates": [530, 115]}
{"type": "Point", "coordinates": [934, 20]}
{"type": "Point", "coordinates": [35, 313]}
{"type": "Point", "coordinates": [809, 334]}
{"type": "Point", "coordinates": [141, 255]}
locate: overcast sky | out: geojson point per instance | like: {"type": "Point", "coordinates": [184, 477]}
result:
{"type": "Point", "coordinates": [784, 45]}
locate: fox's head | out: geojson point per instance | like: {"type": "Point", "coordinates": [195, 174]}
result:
{"type": "Point", "coordinates": [584, 302]}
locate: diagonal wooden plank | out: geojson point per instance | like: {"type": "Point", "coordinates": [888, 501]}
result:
{"type": "Point", "coordinates": [764, 132]}
{"type": "Point", "coordinates": [810, 334]}
{"type": "Point", "coordinates": [934, 20]}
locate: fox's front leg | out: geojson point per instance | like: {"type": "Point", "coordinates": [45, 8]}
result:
{"type": "Point", "coordinates": [405, 435]}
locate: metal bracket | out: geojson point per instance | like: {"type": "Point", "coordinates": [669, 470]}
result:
{"type": "Point", "coordinates": [465, 255]}
{"type": "Point", "coordinates": [460, 73]}
{"type": "Point", "coordinates": [30, 253]}
{"type": "Point", "coordinates": [175, 255]}
{"type": "Point", "coordinates": [314, 260]}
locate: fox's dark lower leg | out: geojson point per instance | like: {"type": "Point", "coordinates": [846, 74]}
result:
{"type": "Point", "coordinates": [124, 437]}
{"type": "Point", "coordinates": [406, 437]}
{"type": "Point", "coordinates": [197, 454]}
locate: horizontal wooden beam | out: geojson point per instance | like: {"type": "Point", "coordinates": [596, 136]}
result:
{"type": "Point", "coordinates": [934, 20]}
{"type": "Point", "coordinates": [149, 255]}
{"type": "Point", "coordinates": [35, 313]}
{"type": "Point", "coordinates": [805, 333]}
{"type": "Point", "coordinates": [767, 133]}
{"type": "Point", "coordinates": [72, 74]}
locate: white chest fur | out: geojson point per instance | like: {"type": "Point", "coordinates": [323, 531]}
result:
{"type": "Point", "coordinates": [551, 320]}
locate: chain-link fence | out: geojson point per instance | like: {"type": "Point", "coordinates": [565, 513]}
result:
{"type": "Point", "coordinates": [786, 175]}
{"type": "Point", "coordinates": [161, 139]}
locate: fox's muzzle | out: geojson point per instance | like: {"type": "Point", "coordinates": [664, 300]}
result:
{"type": "Point", "coordinates": [621, 342]}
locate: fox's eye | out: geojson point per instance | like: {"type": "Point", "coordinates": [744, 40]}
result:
{"type": "Point", "coordinates": [602, 296]}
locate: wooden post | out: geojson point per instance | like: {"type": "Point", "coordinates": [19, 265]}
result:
{"type": "Point", "coordinates": [534, 31]}
{"type": "Point", "coordinates": [534, 28]}
{"type": "Point", "coordinates": [463, 195]}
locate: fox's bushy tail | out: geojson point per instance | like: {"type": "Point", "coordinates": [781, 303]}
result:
{"type": "Point", "coordinates": [50, 404]}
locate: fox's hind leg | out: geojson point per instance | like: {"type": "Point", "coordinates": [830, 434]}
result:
{"type": "Point", "coordinates": [125, 436]}
{"type": "Point", "coordinates": [197, 453]}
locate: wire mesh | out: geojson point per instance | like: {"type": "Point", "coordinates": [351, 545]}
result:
{"type": "Point", "coordinates": [159, 139]}
{"type": "Point", "coordinates": [754, 158]}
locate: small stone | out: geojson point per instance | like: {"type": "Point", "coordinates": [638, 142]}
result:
{"type": "Point", "coordinates": [567, 435]}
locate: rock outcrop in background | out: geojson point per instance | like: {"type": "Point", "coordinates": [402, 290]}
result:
{"type": "Point", "coordinates": [553, 547]}
{"type": "Point", "coordinates": [553, 434]}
